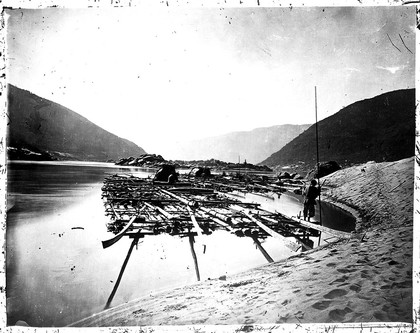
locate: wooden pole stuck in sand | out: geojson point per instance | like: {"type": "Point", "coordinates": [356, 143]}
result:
{"type": "Point", "coordinates": [117, 283]}
{"type": "Point", "coordinates": [191, 239]}
{"type": "Point", "coordinates": [263, 251]}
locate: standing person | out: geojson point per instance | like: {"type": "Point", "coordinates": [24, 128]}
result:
{"type": "Point", "coordinates": [309, 203]}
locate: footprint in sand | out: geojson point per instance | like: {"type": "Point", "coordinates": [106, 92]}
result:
{"type": "Point", "coordinates": [362, 261]}
{"type": "Point", "coordinates": [321, 305]}
{"type": "Point", "coordinates": [342, 279]}
{"type": "Point", "coordinates": [364, 297]}
{"type": "Point", "coordinates": [387, 286]}
{"type": "Point", "coordinates": [338, 315]}
{"type": "Point", "coordinates": [355, 287]}
{"type": "Point", "coordinates": [335, 293]}
{"type": "Point", "coordinates": [404, 284]}
{"type": "Point", "coordinates": [346, 270]}
{"type": "Point", "coordinates": [287, 301]}
{"type": "Point", "coordinates": [365, 274]}
{"type": "Point", "coordinates": [380, 315]}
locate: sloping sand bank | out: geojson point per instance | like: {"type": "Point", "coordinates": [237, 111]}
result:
{"type": "Point", "coordinates": [365, 279]}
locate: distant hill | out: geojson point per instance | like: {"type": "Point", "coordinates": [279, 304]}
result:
{"type": "Point", "coordinates": [252, 146]}
{"type": "Point", "coordinates": [377, 129]}
{"type": "Point", "coordinates": [42, 126]}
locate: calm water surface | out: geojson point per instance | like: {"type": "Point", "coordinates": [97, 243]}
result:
{"type": "Point", "coordinates": [56, 274]}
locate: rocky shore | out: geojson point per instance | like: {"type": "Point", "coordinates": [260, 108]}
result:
{"type": "Point", "coordinates": [366, 279]}
{"type": "Point", "coordinates": [156, 161]}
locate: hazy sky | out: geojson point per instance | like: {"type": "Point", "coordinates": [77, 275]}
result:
{"type": "Point", "coordinates": [156, 74]}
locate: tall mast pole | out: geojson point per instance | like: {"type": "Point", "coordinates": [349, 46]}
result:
{"type": "Point", "coordinates": [317, 161]}
{"type": "Point", "coordinates": [316, 133]}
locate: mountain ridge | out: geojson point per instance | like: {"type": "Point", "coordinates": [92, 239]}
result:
{"type": "Point", "coordinates": [381, 128]}
{"type": "Point", "coordinates": [252, 146]}
{"type": "Point", "coordinates": [42, 125]}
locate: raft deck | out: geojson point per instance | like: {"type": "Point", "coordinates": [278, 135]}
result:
{"type": "Point", "coordinates": [140, 207]}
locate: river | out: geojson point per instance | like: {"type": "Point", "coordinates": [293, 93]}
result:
{"type": "Point", "coordinates": [56, 269]}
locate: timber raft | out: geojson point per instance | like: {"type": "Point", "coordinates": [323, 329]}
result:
{"type": "Point", "coordinates": [140, 207]}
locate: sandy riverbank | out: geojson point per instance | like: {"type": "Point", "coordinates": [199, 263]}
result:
{"type": "Point", "coordinates": [348, 281]}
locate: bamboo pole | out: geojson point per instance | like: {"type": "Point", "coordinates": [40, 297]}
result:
{"type": "Point", "coordinates": [317, 159]}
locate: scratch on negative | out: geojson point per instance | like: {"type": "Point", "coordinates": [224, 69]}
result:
{"type": "Point", "coordinates": [393, 43]}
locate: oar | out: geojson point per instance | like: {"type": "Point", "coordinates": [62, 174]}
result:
{"type": "Point", "coordinates": [116, 238]}
{"type": "Point", "coordinates": [116, 214]}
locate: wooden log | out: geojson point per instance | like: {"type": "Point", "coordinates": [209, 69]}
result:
{"type": "Point", "coordinates": [218, 202]}
{"type": "Point", "coordinates": [139, 233]}
{"type": "Point", "coordinates": [237, 195]}
{"type": "Point", "coordinates": [283, 220]}
{"type": "Point", "coordinates": [214, 213]}
{"type": "Point", "coordinates": [268, 188]}
{"type": "Point", "coordinates": [197, 228]}
{"type": "Point", "coordinates": [264, 195]}
{"type": "Point", "coordinates": [160, 210]}
{"type": "Point", "coordinates": [230, 186]}
{"type": "Point", "coordinates": [181, 199]}
{"type": "Point", "coordinates": [190, 204]}
{"type": "Point", "coordinates": [332, 232]}
{"type": "Point", "coordinates": [218, 221]}
{"type": "Point", "coordinates": [194, 221]}
{"type": "Point", "coordinates": [196, 190]}
{"type": "Point", "coordinates": [254, 205]}
{"type": "Point", "coordinates": [291, 245]}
